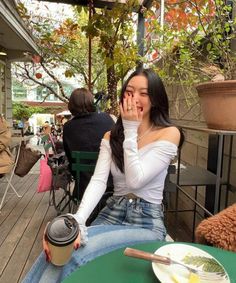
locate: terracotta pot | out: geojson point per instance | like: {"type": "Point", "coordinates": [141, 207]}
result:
{"type": "Point", "coordinates": [218, 102]}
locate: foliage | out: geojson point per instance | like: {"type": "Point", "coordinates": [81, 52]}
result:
{"type": "Point", "coordinates": [65, 44]}
{"type": "Point", "coordinates": [194, 44]}
{"type": "Point", "coordinates": [114, 30]}
{"type": "Point", "coordinates": [22, 111]}
{"type": "Point", "coordinates": [63, 52]}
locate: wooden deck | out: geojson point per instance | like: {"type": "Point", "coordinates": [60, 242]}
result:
{"type": "Point", "coordinates": [22, 222]}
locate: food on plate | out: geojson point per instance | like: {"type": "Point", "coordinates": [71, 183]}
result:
{"type": "Point", "coordinates": [176, 278]}
{"type": "Point", "coordinates": [194, 278]}
{"type": "Point", "coordinates": [207, 264]}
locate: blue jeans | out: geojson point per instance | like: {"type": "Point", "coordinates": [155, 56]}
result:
{"type": "Point", "coordinates": [105, 237]}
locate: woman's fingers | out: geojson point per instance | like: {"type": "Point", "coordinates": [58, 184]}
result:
{"type": "Point", "coordinates": [46, 249]}
{"type": "Point", "coordinates": [140, 114]}
{"type": "Point", "coordinates": [45, 245]}
{"type": "Point", "coordinates": [128, 108]}
{"type": "Point", "coordinates": [77, 242]}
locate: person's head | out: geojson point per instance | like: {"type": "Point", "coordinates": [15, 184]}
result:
{"type": "Point", "coordinates": [148, 90]}
{"type": "Point", "coordinates": [46, 125]}
{"type": "Point", "coordinates": [81, 101]}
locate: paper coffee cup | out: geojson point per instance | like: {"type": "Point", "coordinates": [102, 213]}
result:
{"type": "Point", "coordinates": [61, 234]}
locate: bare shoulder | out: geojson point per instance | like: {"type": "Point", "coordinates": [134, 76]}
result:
{"type": "Point", "coordinates": [171, 134]}
{"type": "Point", "coordinates": [107, 135]}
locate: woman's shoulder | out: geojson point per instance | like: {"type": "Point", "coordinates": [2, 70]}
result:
{"type": "Point", "coordinates": [107, 135]}
{"type": "Point", "coordinates": [171, 134]}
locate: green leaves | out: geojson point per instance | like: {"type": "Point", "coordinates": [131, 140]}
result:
{"type": "Point", "coordinates": [22, 111]}
{"type": "Point", "coordinates": [194, 44]}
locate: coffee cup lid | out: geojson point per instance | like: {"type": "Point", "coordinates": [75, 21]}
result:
{"type": "Point", "coordinates": [62, 231]}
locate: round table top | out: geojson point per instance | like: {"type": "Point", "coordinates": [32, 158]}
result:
{"type": "Point", "coordinates": [114, 267]}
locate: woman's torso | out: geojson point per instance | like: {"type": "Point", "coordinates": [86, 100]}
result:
{"type": "Point", "coordinates": [152, 191]}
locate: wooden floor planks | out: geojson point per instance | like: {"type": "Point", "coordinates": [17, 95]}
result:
{"type": "Point", "coordinates": [22, 222]}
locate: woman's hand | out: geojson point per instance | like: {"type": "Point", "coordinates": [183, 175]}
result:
{"type": "Point", "coordinates": [77, 242]}
{"type": "Point", "coordinates": [129, 110]}
{"type": "Point", "coordinates": [46, 247]}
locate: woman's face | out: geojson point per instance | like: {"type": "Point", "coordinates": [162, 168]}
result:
{"type": "Point", "coordinates": [138, 88]}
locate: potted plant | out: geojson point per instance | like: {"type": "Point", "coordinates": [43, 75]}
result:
{"type": "Point", "coordinates": [202, 53]}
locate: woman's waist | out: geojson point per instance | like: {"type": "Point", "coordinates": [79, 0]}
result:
{"type": "Point", "coordinates": [152, 195]}
{"type": "Point", "coordinates": [135, 199]}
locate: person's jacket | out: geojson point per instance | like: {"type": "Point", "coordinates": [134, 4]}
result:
{"type": "Point", "coordinates": [84, 132]}
{"type": "Point", "coordinates": [6, 160]}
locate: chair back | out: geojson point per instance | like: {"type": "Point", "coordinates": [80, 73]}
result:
{"type": "Point", "coordinates": [80, 165]}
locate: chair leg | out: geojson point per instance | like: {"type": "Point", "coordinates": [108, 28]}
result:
{"type": "Point", "coordinates": [9, 184]}
{"type": "Point", "coordinates": [4, 196]}
{"type": "Point", "coordinates": [9, 181]}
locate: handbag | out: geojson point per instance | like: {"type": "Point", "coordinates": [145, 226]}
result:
{"type": "Point", "coordinates": [26, 160]}
{"type": "Point", "coordinates": [61, 175]}
{"type": "Point", "coordinates": [45, 176]}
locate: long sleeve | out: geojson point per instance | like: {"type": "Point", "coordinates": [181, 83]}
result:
{"type": "Point", "coordinates": [97, 184]}
{"type": "Point", "coordinates": [141, 169]}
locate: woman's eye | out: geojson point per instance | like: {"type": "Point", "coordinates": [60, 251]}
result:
{"type": "Point", "coordinates": [144, 94]}
{"type": "Point", "coordinates": [128, 93]}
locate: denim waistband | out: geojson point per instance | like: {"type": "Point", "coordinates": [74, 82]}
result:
{"type": "Point", "coordinates": [131, 198]}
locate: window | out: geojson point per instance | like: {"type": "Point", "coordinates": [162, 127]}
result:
{"type": "Point", "coordinates": [19, 92]}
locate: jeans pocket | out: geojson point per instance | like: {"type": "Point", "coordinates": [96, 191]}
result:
{"type": "Point", "coordinates": [152, 211]}
{"type": "Point", "coordinates": [110, 202]}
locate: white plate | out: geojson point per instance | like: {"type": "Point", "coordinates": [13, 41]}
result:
{"type": "Point", "coordinates": [175, 273]}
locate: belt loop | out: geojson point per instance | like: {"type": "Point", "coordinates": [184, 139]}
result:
{"type": "Point", "coordinates": [120, 200]}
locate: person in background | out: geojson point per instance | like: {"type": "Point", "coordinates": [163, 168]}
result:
{"type": "Point", "coordinates": [46, 128]}
{"type": "Point", "coordinates": [84, 131]}
{"type": "Point", "coordinates": [63, 120]}
{"type": "Point", "coordinates": [6, 160]}
{"type": "Point", "coordinates": [138, 151]}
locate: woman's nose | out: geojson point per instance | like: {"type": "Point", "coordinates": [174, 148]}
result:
{"type": "Point", "coordinates": [135, 95]}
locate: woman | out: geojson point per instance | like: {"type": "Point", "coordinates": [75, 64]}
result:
{"type": "Point", "coordinates": [84, 131]}
{"type": "Point", "coordinates": [138, 151]}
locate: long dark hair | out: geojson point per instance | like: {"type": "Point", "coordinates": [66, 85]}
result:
{"type": "Point", "coordinates": [159, 114]}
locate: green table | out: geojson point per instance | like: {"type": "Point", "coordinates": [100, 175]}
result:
{"type": "Point", "coordinates": [117, 268]}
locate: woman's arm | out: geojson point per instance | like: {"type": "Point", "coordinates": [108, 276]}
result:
{"type": "Point", "coordinates": [91, 197]}
{"type": "Point", "coordinates": [97, 184]}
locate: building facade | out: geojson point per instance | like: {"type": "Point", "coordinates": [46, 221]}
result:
{"type": "Point", "coordinates": [15, 42]}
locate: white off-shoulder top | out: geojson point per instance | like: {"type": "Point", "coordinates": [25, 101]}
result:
{"type": "Point", "coordinates": [145, 171]}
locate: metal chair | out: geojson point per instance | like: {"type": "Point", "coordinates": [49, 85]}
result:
{"type": "Point", "coordinates": [9, 179]}
{"type": "Point", "coordinates": [85, 161]}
